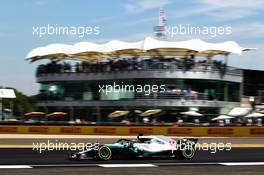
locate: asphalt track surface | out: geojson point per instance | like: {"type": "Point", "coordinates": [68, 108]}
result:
{"type": "Point", "coordinates": [247, 160]}
{"type": "Point", "coordinates": [54, 162]}
{"type": "Point", "coordinates": [32, 157]}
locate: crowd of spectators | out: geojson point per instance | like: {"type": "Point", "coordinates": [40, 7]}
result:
{"type": "Point", "coordinates": [128, 64]}
{"type": "Point", "coordinates": [181, 93]}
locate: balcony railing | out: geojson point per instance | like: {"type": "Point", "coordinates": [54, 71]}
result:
{"type": "Point", "coordinates": [189, 96]}
{"type": "Point", "coordinates": [222, 69]}
{"type": "Point", "coordinates": [140, 96]}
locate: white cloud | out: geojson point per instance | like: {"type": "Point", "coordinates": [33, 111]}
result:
{"type": "Point", "coordinates": [223, 9]}
{"type": "Point", "coordinates": [140, 21]}
{"type": "Point", "coordinates": [249, 30]}
{"type": "Point", "coordinates": [44, 2]}
{"type": "Point", "coordinates": [131, 38]}
{"type": "Point", "coordinates": [231, 14]}
{"type": "Point", "coordinates": [246, 4]}
{"type": "Point", "coordinates": [143, 5]}
{"type": "Point", "coordinates": [102, 19]}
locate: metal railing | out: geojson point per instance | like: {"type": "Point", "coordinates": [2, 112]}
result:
{"type": "Point", "coordinates": [222, 70]}
{"type": "Point", "coordinates": [138, 96]}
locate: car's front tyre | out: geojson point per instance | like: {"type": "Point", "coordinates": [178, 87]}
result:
{"type": "Point", "coordinates": [104, 153]}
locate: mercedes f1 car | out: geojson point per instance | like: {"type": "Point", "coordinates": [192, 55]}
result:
{"type": "Point", "coordinates": [143, 146]}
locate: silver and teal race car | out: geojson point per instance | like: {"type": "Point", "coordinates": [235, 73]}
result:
{"type": "Point", "coordinates": [143, 146]}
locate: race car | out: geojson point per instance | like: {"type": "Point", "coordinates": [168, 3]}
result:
{"type": "Point", "coordinates": [144, 146]}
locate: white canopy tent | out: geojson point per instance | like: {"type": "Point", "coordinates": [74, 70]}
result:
{"type": "Point", "coordinates": [254, 115]}
{"type": "Point", "coordinates": [192, 113]}
{"type": "Point", "coordinates": [150, 112]}
{"type": "Point", "coordinates": [52, 50]}
{"type": "Point", "coordinates": [239, 111]}
{"type": "Point", "coordinates": [222, 117]}
{"type": "Point", "coordinates": [118, 114]}
{"type": "Point", "coordinates": [6, 93]}
{"type": "Point", "coordinates": [147, 47]}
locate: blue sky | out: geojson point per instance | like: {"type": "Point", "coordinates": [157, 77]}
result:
{"type": "Point", "coordinates": [128, 20]}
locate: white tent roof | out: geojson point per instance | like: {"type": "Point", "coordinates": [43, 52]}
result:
{"type": "Point", "coordinates": [222, 117]}
{"type": "Point", "coordinates": [118, 114]}
{"type": "Point", "coordinates": [52, 49]}
{"type": "Point", "coordinates": [7, 93]}
{"type": "Point", "coordinates": [239, 111]}
{"type": "Point", "coordinates": [143, 46]}
{"type": "Point", "coordinates": [82, 47]}
{"type": "Point", "coordinates": [116, 45]}
{"type": "Point", "coordinates": [254, 115]}
{"type": "Point", "coordinates": [150, 112]}
{"type": "Point", "coordinates": [192, 113]}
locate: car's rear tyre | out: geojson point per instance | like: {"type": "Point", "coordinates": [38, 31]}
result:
{"type": "Point", "coordinates": [104, 153]}
{"type": "Point", "coordinates": [188, 153]}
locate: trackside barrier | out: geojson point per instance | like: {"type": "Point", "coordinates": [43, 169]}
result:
{"type": "Point", "coordinates": [245, 131]}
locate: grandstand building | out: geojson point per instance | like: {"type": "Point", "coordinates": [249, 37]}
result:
{"type": "Point", "coordinates": [89, 80]}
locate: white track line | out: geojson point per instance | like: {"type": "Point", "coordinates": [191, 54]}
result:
{"type": "Point", "coordinates": [125, 165]}
{"type": "Point", "coordinates": [241, 163]}
{"type": "Point", "coordinates": [134, 165]}
{"type": "Point", "coordinates": [185, 163]}
{"type": "Point", "coordinates": [14, 166]}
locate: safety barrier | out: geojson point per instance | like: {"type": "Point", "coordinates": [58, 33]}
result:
{"type": "Point", "coordinates": [245, 131]}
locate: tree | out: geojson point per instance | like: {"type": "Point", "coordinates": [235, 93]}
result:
{"type": "Point", "coordinates": [21, 104]}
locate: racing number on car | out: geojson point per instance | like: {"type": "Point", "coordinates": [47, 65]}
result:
{"type": "Point", "coordinates": [172, 144]}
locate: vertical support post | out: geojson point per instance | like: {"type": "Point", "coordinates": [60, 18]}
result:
{"type": "Point", "coordinates": [98, 114]}
{"type": "Point", "coordinates": [11, 107]}
{"type": "Point", "coordinates": [226, 92]}
{"type": "Point", "coordinates": [241, 88]}
{"type": "Point", "coordinates": [1, 108]}
{"type": "Point", "coordinates": [71, 113]}
{"type": "Point", "coordinates": [226, 58]}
